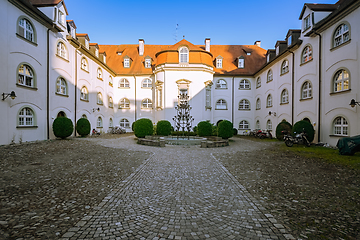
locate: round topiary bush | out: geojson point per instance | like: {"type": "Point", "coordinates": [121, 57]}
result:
{"type": "Point", "coordinates": [282, 126]}
{"type": "Point", "coordinates": [62, 127]}
{"type": "Point", "coordinates": [143, 127]}
{"type": "Point", "coordinates": [300, 125]}
{"type": "Point", "coordinates": [204, 128]}
{"type": "Point", "coordinates": [163, 128]}
{"type": "Point", "coordinates": [225, 129]}
{"type": "Point", "coordinates": [83, 127]}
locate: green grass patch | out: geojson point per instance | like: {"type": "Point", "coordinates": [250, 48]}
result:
{"type": "Point", "coordinates": [327, 154]}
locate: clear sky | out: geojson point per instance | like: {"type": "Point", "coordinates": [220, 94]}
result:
{"type": "Point", "coordinates": [225, 22]}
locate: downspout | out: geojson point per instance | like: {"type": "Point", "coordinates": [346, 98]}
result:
{"type": "Point", "coordinates": [319, 104]}
{"type": "Point", "coordinates": [48, 85]}
{"type": "Point", "coordinates": [292, 87]}
{"type": "Point", "coordinates": [76, 79]}
{"type": "Point", "coordinates": [232, 101]}
{"type": "Point", "coordinates": [135, 98]}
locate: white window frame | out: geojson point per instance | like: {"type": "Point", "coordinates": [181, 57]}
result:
{"type": "Point", "coordinates": [99, 99]}
{"type": "Point", "coordinates": [124, 103]}
{"type": "Point", "coordinates": [84, 64]}
{"type": "Point", "coordinates": [244, 84]}
{"type": "Point", "coordinates": [221, 84]}
{"type": "Point", "coordinates": [26, 29]}
{"type": "Point", "coordinates": [269, 124]}
{"type": "Point", "coordinates": [241, 62]}
{"type": "Point", "coordinates": [258, 104]}
{"type": "Point", "coordinates": [269, 101]}
{"type": "Point", "coordinates": [269, 76]}
{"type": "Point", "coordinates": [244, 104]}
{"type": "Point", "coordinates": [306, 54]}
{"type": "Point", "coordinates": [26, 76]}
{"type": "Point", "coordinates": [146, 83]}
{"type": "Point", "coordinates": [99, 74]}
{"type": "Point", "coordinates": [221, 104]}
{"type": "Point", "coordinates": [147, 63]}
{"type": "Point", "coordinates": [111, 81]}
{"type": "Point", "coordinates": [146, 103]}
{"type": "Point", "coordinates": [61, 19]}
{"type": "Point", "coordinates": [111, 102]}
{"type": "Point", "coordinates": [307, 22]}
{"type": "Point", "coordinates": [124, 123]}
{"type": "Point", "coordinates": [285, 67]}
{"type": "Point", "coordinates": [244, 125]}
{"type": "Point", "coordinates": [84, 94]}
{"type": "Point", "coordinates": [340, 126]}
{"type": "Point", "coordinates": [219, 63]}
{"type": "Point", "coordinates": [341, 35]}
{"type": "Point", "coordinates": [258, 82]}
{"type": "Point", "coordinates": [61, 50]}
{"type": "Point", "coordinates": [61, 86]}
{"type": "Point", "coordinates": [99, 122]}
{"type": "Point", "coordinates": [257, 124]}
{"type": "Point", "coordinates": [306, 90]}
{"type": "Point", "coordinates": [284, 96]}
{"type": "Point", "coordinates": [341, 81]}
{"type": "Point", "coordinates": [183, 55]}
{"type": "Point", "coordinates": [111, 123]}
{"type": "Point", "coordinates": [124, 83]}
{"type": "Point", "coordinates": [26, 117]}
{"type": "Point", "coordinates": [126, 62]}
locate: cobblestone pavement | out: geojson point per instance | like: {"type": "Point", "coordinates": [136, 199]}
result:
{"type": "Point", "coordinates": [178, 193]}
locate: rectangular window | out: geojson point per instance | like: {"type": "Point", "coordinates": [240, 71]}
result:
{"type": "Point", "coordinates": [219, 63]}
{"type": "Point", "coordinates": [307, 22]}
{"type": "Point", "coordinates": [126, 62]}
{"type": "Point", "coordinates": [147, 63]}
{"type": "Point", "coordinates": [241, 63]}
{"type": "Point", "coordinates": [208, 98]}
{"type": "Point", "coordinates": [159, 98]}
{"type": "Point", "coordinates": [61, 18]}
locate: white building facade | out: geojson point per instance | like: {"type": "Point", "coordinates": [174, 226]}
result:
{"type": "Point", "coordinates": [312, 74]}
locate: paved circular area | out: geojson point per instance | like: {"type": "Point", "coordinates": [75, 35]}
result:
{"type": "Point", "coordinates": [178, 193]}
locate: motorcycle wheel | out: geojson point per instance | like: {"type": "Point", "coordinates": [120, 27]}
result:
{"type": "Point", "coordinates": [307, 143]}
{"type": "Point", "coordinates": [289, 143]}
{"type": "Point", "coordinates": [262, 136]}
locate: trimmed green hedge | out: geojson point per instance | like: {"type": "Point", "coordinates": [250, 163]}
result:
{"type": "Point", "coordinates": [282, 126]}
{"type": "Point", "coordinates": [83, 127]}
{"type": "Point", "coordinates": [225, 129]}
{"type": "Point", "coordinates": [163, 128]}
{"type": "Point", "coordinates": [300, 125]}
{"type": "Point", "coordinates": [204, 128]}
{"type": "Point", "coordinates": [143, 127]}
{"type": "Point", "coordinates": [62, 127]}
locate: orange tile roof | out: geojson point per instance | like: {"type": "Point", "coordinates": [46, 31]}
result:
{"type": "Point", "coordinates": [47, 3]}
{"type": "Point", "coordinates": [168, 54]}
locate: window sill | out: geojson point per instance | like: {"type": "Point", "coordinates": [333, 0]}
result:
{"type": "Point", "coordinates": [333, 135]}
{"type": "Point", "coordinates": [159, 108]}
{"type": "Point", "coordinates": [244, 88]}
{"type": "Point", "coordinates": [343, 44]}
{"type": "Point", "coordinates": [66, 60]}
{"type": "Point", "coordinates": [27, 87]}
{"type": "Point", "coordinates": [303, 63]}
{"type": "Point", "coordinates": [269, 81]}
{"type": "Point", "coordinates": [26, 127]}
{"type": "Point", "coordinates": [269, 106]}
{"type": "Point", "coordinates": [27, 40]}
{"type": "Point", "coordinates": [100, 104]}
{"type": "Point", "coordinates": [111, 85]}
{"type": "Point", "coordinates": [305, 99]}
{"type": "Point", "coordinates": [206, 108]}
{"type": "Point", "coordinates": [100, 79]}
{"type": "Point", "coordinates": [220, 109]}
{"type": "Point", "coordinates": [123, 108]}
{"type": "Point", "coordinates": [284, 103]}
{"type": "Point", "coordinates": [85, 70]}
{"type": "Point", "coordinates": [84, 100]}
{"type": "Point", "coordinates": [258, 87]}
{"type": "Point", "coordinates": [124, 87]}
{"type": "Point", "coordinates": [258, 109]}
{"type": "Point", "coordinates": [244, 109]}
{"type": "Point", "coordinates": [221, 88]}
{"type": "Point", "coordinates": [339, 92]}
{"type": "Point", "coordinates": [62, 95]}
{"type": "Point", "coordinates": [146, 87]}
{"type": "Point", "coordinates": [99, 127]}
{"type": "Point", "coordinates": [284, 73]}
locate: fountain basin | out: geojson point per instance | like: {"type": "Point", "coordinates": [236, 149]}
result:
{"type": "Point", "coordinates": [191, 140]}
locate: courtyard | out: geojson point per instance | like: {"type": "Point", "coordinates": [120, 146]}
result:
{"type": "Point", "coordinates": [109, 187]}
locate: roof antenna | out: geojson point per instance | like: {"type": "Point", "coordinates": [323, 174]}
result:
{"type": "Point", "coordinates": [176, 32]}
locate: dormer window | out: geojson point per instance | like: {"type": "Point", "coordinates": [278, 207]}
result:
{"type": "Point", "coordinates": [97, 52]}
{"type": "Point", "coordinates": [126, 62]}
{"type": "Point", "coordinates": [219, 63]}
{"type": "Point", "coordinates": [289, 40]}
{"type": "Point", "coordinates": [241, 62]}
{"type": "Point", "coordinates": [104, 58]}
{"type": "Point", "coordinates": [277, 50]}
{"type": "Point", "coordinates": [184, 55]}
{"type": "Point", "coordinates": [307, 23]}
{"type": "Point", "coordinates": [86, 43]}
{"type": "Point", "coordinates": [147, 63]}
{"type": "Point", "coordinates": [61, 18]}
{"type": "Point", "coordinates": [268, 58]}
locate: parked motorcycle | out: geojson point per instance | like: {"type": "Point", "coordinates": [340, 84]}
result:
{"type": "Point", "coordinates": [262, 134]}
{"type": "Point", "coordinates": [299, 138]}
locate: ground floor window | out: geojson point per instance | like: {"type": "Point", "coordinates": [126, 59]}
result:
{"type": "Point", "coordinates": [243, 125]}
{"type": "Point", "coordinates": [340, 126]}
{"type": "Point", "coordinates": [124, 123]}
{"type": "Point", "coordinates": [26, 117]}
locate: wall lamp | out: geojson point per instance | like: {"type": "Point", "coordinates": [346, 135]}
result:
{"type": "Point", "coordinates": [273, 113]}
{"type": "Point", "coordinates": [96, 109]}
{"type": "Point", "coordinates": [353, 103]}
{"type": "Point", "coordinates": [5, 95]}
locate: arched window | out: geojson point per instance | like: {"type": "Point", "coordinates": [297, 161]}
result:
{"type": "Point", "coordinates": [99, 73]}
{"type": "Point", "coordinates": [306, 54]}
{"type": "Point", "coordinates": [110, 81]}
{"type": "Point", "coordinates": [269, 125]}
{"type": "Point", "coordinates": [221, 104]}
{"type": "Point", "coordinates": [26, 76]}
{"type": "Point", "coordinates": [61, 114]}
{"type": "Point", "coordinates": [306, 90]}
{"type": "Point", "coordinates": [99, 99]}
{"type": "Point", "coordinates": [146, 83]}
{"type": "Point", "coordinates": [244, 84]}
{"type": "Point", "coordinates": [243, 125]}
{"type": "Point", "coordinates": [244, 104]}
{"type": "Point", "coordinates": [146, 103]}
{"type": "Point", "coordinates": [285, 96]}
{"type": "Point", "coordinates": [341, 35]}
{"type": "Point", "coordinates": [258, 104]}
{"type": "Point", "coordinates": [285, 67]}
{"type": "Point", "coordinates": [341, 81]}
{"type": "Point", "coordinates": [124, 83]}
{"type": "Point", "coordinates": [84, 116]}
{"type": "Point", "coordinates": [184, 55]}
{"type": "Point", "coordinates": [340, 126]}
{"type": "Point", "coordinates": [124, 103]}
{"type": "Point", "coordinates": [26, 117]}
{"type": "Point", "coordinates": [61, 86]}
{"type": "Point", "coordinates": [221, 84]}
{"type": "Point", "coordinates": [124, 123]}
{"type": "Point", "coordinates": [26, 30]}
{"type": "Point", "coordinates": [257, 124]}
{"type": "Point", "coordinates": [61, 50]}
{"type": "Point", "coordinates": [84, 64]}
{"type": "Point", "coordinates": [99, 122]}
{"type": "Point", "coordinates": [269, 101]}
{"type": "Point", "coordinates": [258, 82]}
{"type": "Point", "coordinates": [111, 123]}
{"type": "Point", "coordinates": [111, 103]}
{"type": "Point", "coordinates": [269, 76]}
{"type": "Point", "coordinates": [84, 95]}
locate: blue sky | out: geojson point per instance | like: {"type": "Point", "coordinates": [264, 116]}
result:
{"type": "Point", "coordinates": [226, 22]}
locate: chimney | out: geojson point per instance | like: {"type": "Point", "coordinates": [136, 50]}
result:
{"type": "Point", "coordinates": [207, 44]}
{"type": "Point", "coordinates": [141, 47]}
{"type": "Point", "coordinates": [257, 43]}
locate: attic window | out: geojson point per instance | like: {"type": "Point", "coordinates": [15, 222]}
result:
{"type": "Point", "coordinates": [183, 55]}
{"type": "Point", "coordinates": [307, 22]}
{"type": "Point", "coordinates": [241, 62]}
{"type": "Point", "coordinates": [86, 43]}
{"type": "Point", "coordinates": [119, 53]}
{"type": "Point", "coordinates": [289, 40]}
{"type": "Point", "coordinates": [219, 63]}
{"type": "Point", "coordinates": [97, 52]}
{"type": "Point", "coordinates": [147, 63]}
{"type": "Point", "coordinates": [126, 62]}
{"type": "Point", "coordinates": [61, 18]}
{"type": "Point", "coordinates": [248, 53]}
